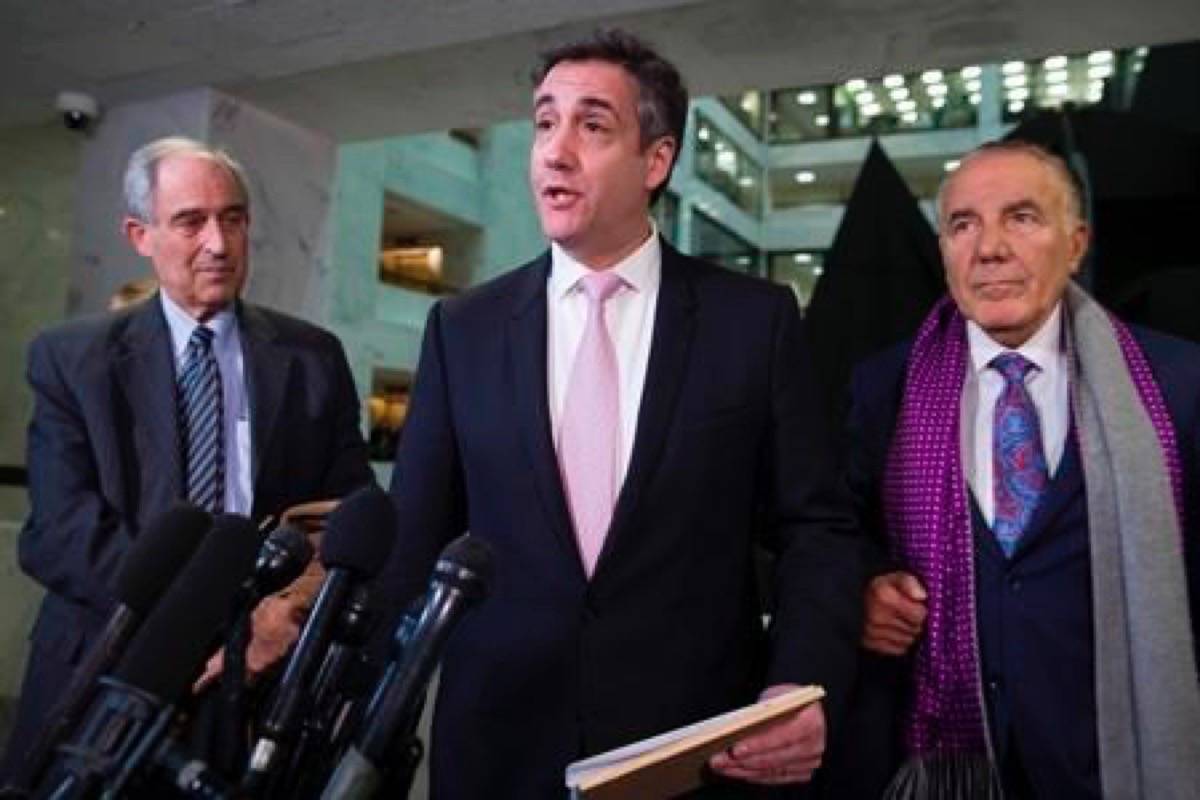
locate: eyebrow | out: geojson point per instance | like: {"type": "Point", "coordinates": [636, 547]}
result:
{"type": "Point", "coordinates": [187, 212]}
{"type": "Point", "coordinates": [589, 103]}
{"type": "Point", "coordinates": [1025, 203]}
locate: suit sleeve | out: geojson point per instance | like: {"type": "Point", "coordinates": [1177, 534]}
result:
{"type": "Point", "coordinates": [818, 577]}
{"type": "Point", "coordinates": [427, 481]}
{"type": "Point", "coordinates": [73, 539]}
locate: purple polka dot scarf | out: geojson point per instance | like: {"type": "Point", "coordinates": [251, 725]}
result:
{"type": "Point", "coordinates": [1149, 738]}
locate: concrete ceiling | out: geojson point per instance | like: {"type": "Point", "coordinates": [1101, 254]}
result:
{"type": "Point", "coordinates": [373, 68]}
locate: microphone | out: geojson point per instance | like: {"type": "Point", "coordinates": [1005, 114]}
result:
{"type": "Point", "coordinates": [461, 577]}
{"type": "Point", "coordinates": [134, 706]}
{"type": "Point", "coordinates": [283, 557]}
{"type": "Point", "coordinates": [154, 559]}
{"type": "Point", "coordinates": [355, 546]}
{"type": "Point", "coordinates": [339, 688]}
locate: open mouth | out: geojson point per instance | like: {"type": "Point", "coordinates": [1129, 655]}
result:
{"type": "Point", "coordinates": [558, 194]}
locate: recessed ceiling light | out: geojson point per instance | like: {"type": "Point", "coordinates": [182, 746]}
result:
{"type": "Point", "coordinates": [862, 98]}
{"type": "Point", "coordinates": [936, 90]}
{"type": "Point", "coordinates": [1058, 90]}
{"type": "Point", "coordinates": [802, 258]}
{"type": "Point", "coordinates": [973, 85]}
{"type": "Point", "coordinates": [821, 119]}
{"type": "Point", "coordinates": [909, 116]}
{"type": "Point", "coordinates": [938, 102]}
{"type": "Point", "coordinates": [1100, 57]}
{"type": "Point", "coordinates": [899, 93]}
{"type": "Point", "coordinates": [806, 98]}
{"type": "Point", "coordinates": [1057, 76]}
{"type": "Point", "coordinates": [1019, 93]}
{"type": "Point", "coordinates": [1013, 67]}
{"type": "Point", "coordinates": [975, 98]}
{"type": "Point", "coordinates": [932, 76]}
{"type": "Point", "coordinates": [1100, 71]}
{"type": "Point", "coordinates": [1016, 107]}
{"type": "Point", "coordinates": [871, 109]}
{"type": "Point", "coordinates": [1055, 62]}
{"type": "Point", "coordinates": [892, 81]}
{"type": "Point", "coordinates": [856, 85]}
{"type": "Point", "coordinates": [971, 72]}
{"type": "Point", "coordinates": [906, 105]}
{"type": "Point", "coordinates": [1013, 81]}
{"type": "Point", "coordinates": [805, 176]}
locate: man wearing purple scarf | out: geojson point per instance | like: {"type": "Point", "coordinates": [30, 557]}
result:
{"type": "Point", "coordinates": [1028, 469]}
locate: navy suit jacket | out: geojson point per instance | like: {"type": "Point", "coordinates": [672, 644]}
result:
{"type": "Point", "coordinates": [1033, 612]}
{"type": "Point", "coordinates": [104, 457]}
{"type": "Point", "coordinates": [729, 451]}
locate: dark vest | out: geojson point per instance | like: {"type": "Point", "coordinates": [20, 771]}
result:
{"type": "Point", "coordinates": [1034, 614]}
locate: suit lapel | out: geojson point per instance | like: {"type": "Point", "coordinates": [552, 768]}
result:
{"type": "Point", "coordinates": [674, 326]}
{"type": "Point", "coordinates": [145, 370]}
{"type": "Point", "coordinates": [527, 330]}
{"type": "Point", "coordinates": [267, 365]}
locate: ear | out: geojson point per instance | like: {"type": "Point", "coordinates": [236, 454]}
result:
{"type": "Point", "coordinates": [138, 234]}
{"type": "Point", "coordinates": [659, 157]}
{"type": "Point", "coordinates": [1080, 238]}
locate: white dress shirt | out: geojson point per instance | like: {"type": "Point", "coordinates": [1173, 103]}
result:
{"type": "Point", "coordinates": [1048, 386]}
{"type": "Point", "coordinates": [227, 348]}
{"type": "Point", "coordinates": [629, 316]}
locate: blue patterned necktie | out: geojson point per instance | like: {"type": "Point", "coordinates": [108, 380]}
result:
{"type": "Point", "coordinates": [200, 423]}
{"type": "Point", "coordinates": [1019, 473]}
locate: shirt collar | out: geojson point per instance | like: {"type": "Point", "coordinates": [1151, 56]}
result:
{"type": "Point", "coordinates": [1042, 348]}
{"type": "Point", "coordinates": [641, 270]}
{"type": "Point", "coordinates": [182, 324]}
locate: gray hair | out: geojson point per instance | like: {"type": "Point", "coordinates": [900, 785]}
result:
{"type": "Point", "coordinates": [142, 173]}
{"type": "Point", "coordinates": [1062, 173]}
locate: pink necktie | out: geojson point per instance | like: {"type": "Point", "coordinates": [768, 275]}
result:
{"type": "Point", "coordinates": [587, 447]}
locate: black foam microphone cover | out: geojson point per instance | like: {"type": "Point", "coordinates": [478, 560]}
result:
{"type": "Point", "coordinates": [165, 656]}
{"type": "Point", "coordinates": [359, 532]}
{"type": "Point", "coordinates": [157, 555]}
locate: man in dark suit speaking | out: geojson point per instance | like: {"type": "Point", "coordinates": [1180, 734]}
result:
{"type": "Point", "coordinates": [191, 395]}
{"type": "Point", "coordinates": [622, 423]}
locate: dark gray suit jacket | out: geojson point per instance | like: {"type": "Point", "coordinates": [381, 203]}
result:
{"type": "Point", "coordinates": [104, 457]}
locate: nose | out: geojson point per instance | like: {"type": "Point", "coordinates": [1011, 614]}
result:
{"type": "Point", "coordinates": [215, 237]}
{"type": "Point", "coordinates": [992, 243]}
{"type": "Point", "coordinates": [557, 148]}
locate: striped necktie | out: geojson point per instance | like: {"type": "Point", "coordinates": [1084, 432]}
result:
{"type": "Point", "coordinates": [200, 423]}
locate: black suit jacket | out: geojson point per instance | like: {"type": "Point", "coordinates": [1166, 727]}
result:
{"type": "Point", "coordinates": [104, 457]}
{"type": "Point", "coordinates": [1033, 612]}
{"type": "Point", "coordinates": [729, 451]}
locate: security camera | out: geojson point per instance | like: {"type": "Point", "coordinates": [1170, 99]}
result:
{"type": "Point", "coordinates": [78, 110]}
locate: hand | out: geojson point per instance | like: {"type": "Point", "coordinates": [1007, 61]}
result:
{"type": "Point", "coordinates": [895, 613]}
{"type": "Point", "coordinates": [786, 752]}
{"type": "Point", "coordinates": [275, 626]}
